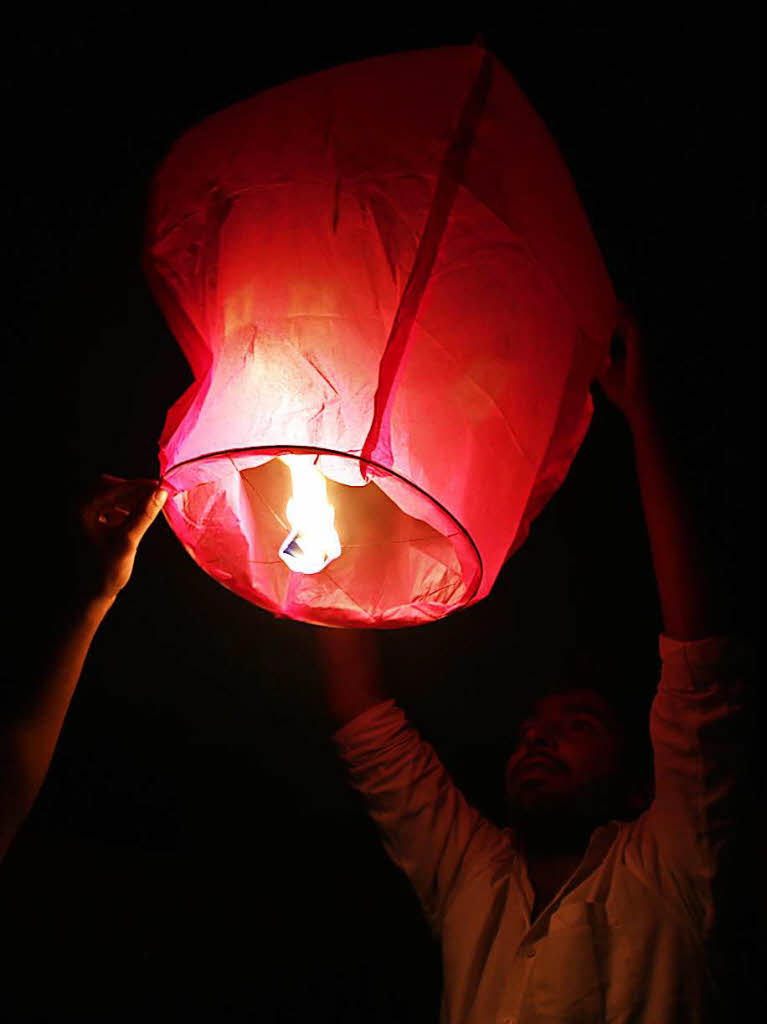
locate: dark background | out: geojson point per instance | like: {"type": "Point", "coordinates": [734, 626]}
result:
{"type": "Point", "coordinates": [195, 852]}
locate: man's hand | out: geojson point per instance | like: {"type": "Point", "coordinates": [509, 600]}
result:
{"type": "Point", "coordinates": [687, 602]}
{"type": "Point", "coordinates": [114, 516]}
{"type": "Point", "coordinates": [352, 671]}
{"type": "Point", "coordinates": [625, 382]}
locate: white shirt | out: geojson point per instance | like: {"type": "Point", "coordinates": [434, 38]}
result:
{"type": "Point", "coordinates": [625, 938]}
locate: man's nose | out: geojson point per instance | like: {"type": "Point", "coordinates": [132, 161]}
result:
{"type": "Point", "coordinates": [540, 736]}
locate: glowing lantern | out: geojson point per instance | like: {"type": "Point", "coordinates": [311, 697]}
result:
{"type": "Point", "coordinates": [392, 305]}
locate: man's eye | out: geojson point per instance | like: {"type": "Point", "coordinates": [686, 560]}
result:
{"type": "Point", "coordinates": [580, 722]}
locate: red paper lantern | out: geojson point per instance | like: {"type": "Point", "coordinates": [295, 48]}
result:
{"type": "Point", "coordinates": [384, 270]}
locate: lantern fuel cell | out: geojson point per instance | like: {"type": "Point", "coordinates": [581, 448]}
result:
{"type": "Point", "coordinates": [381, 271]}
{"type": "Point", "coordinates": [313, 542]}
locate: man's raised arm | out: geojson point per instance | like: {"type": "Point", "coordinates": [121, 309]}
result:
{"type": "Point", "coordinates": [351, 665]}
{"type": "Point", "coordinates": [700, 715]}
{"type": "Point", "coordinates": [428, 829]}
{"type": "Point", "coordinates": [681, 570]}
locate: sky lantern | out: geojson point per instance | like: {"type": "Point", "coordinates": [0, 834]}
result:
{"type": "Point", "coordinates": [392, 305]}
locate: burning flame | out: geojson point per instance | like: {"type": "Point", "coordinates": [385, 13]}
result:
{"type": "Point", "coordinates": [313, 541]}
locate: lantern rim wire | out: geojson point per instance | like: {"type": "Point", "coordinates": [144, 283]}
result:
{"type": "Point", "coordinates": [276, 450]}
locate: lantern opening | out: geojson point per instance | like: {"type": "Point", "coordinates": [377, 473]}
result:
{"type": "Point", "coordinates": [399, 551]}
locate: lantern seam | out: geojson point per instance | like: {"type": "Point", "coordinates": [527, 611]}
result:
{"type": "Point", "coordinates": [338, 586]}
{"type": "Point", "coordinates": [448, 181]}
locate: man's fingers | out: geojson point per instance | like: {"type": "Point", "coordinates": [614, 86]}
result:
{"type": "Point", "coordinates": [626, 321]}
{"type": "Point", "coordinates": [145, 513]}
{"type": "Point", "coordinates": [113, 489]}
{"type": "Point", "coordinates": [111, 504]}
{"type": "Point", "coordinates": [617, 347]}
{"type": "Point", "coordinates": [126, 488]}
{"type": "Point", "coordinates": [112, 515]}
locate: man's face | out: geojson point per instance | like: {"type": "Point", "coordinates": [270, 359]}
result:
{"type": "Point", "coordinates": [567, 755]}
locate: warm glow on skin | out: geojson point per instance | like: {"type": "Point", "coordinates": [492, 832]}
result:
{"type": "Point", "coordinates": [578, 731]}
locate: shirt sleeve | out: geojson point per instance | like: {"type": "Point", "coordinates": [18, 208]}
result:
{"type": "Point", "coordinates": [698, 728]}
{"type": "Point", "coordinates": [428, 828]}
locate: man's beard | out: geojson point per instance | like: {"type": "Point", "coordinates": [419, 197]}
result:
{"type": "Point", "coordinates": [558, 823]}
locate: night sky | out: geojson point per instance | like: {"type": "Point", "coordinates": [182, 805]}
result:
{"type": "Point", "coordinates": [195, 853]}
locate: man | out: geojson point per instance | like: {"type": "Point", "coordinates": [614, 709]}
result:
{"type": "Point", "coordinates": [593, 906]}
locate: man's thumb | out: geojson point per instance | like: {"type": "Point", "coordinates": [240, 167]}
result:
{"type": "Point", "coordinates": [145, 514]}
